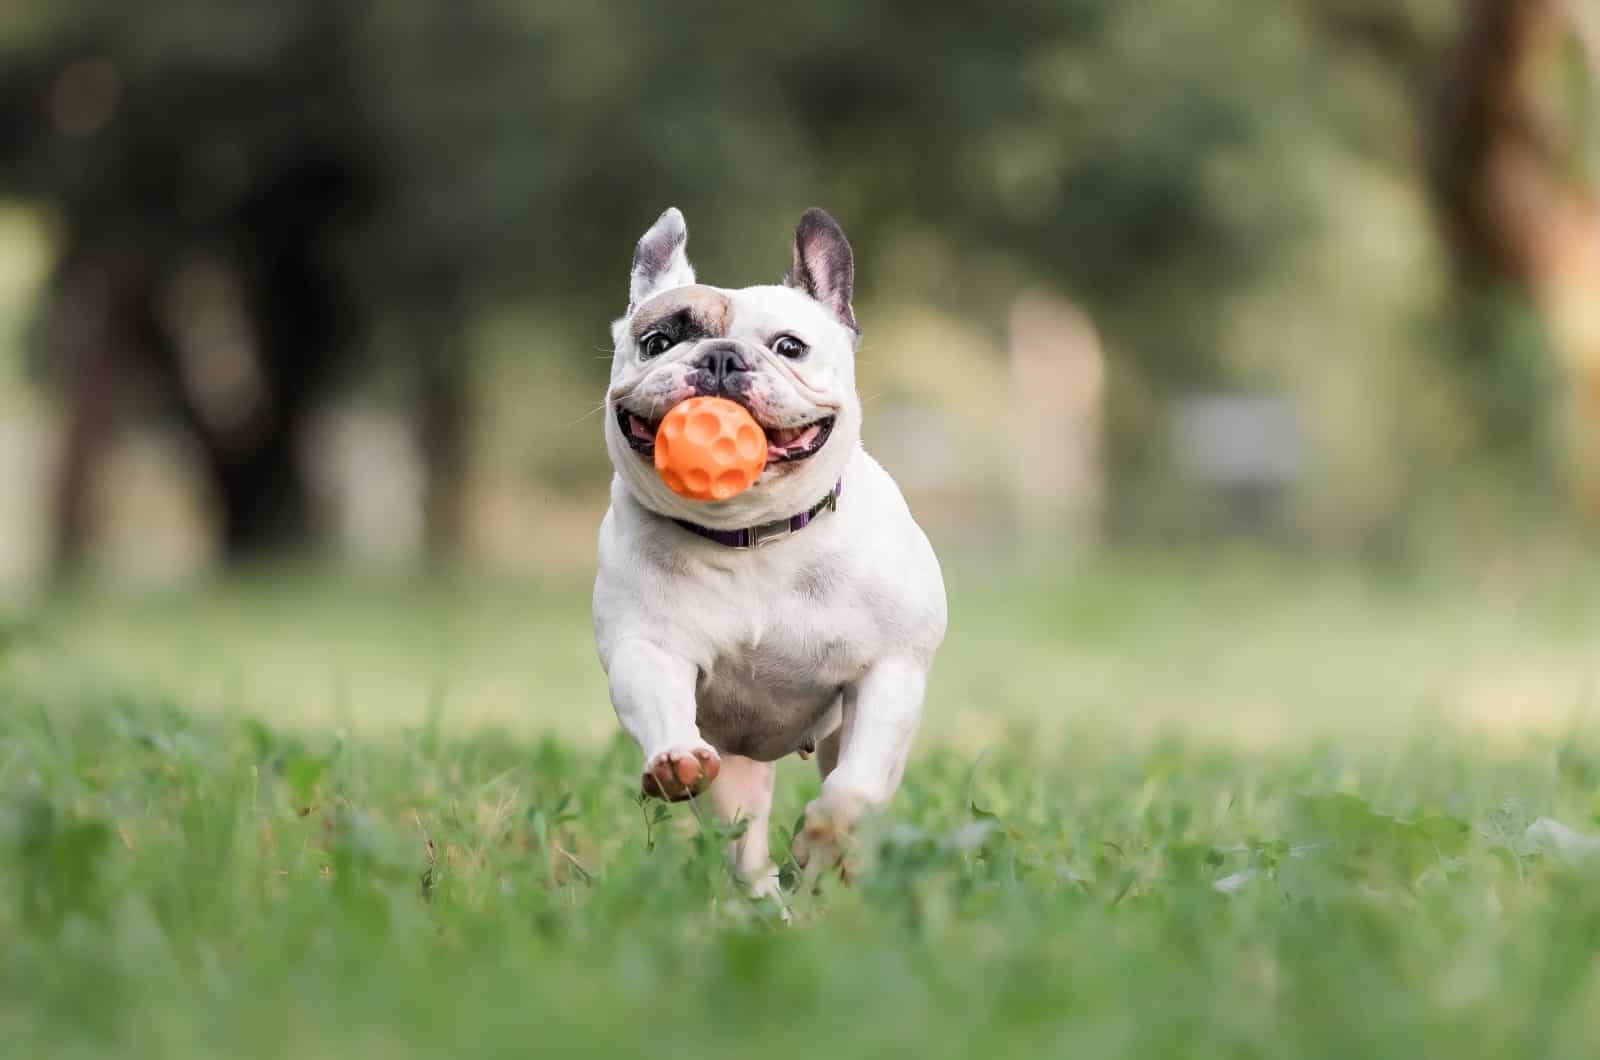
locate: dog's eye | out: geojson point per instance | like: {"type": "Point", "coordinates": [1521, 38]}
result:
{"type": "Point", "coordinates": [654, 344]}
{"type": "Point", "coordinates": [788, 346]}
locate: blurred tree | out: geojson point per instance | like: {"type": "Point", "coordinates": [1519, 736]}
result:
{"type": "Point", "coordinates": [1502, 102]}
{"type": "Point", "coordinates": [1514, 192]}
{"type": "Point", "coordinates": [1127, 158]}
{"type": "Point", "coordinates": [249, 193]}
{"type": "Point", "coordinates": [197, 162]}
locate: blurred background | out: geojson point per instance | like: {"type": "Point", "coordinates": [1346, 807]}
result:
{"type": "Point", "coordinates": [330, 283]}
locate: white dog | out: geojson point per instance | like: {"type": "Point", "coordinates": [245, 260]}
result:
{"type": "Point", "coordinates": [800, 615]}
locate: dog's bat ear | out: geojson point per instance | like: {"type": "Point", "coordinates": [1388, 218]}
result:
{"type": "Point", "coordinates": [823, 265]}
{"type": "Point", "coordinates": [659, 261]}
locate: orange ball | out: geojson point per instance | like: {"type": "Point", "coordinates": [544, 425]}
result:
{"type": "Point", "coordinates": [709, 449]}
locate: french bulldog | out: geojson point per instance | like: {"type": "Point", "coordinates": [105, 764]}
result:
{"type": "Point", "coordinates": [799, 616]}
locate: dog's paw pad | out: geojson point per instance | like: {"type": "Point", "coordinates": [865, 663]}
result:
{"type": "Point", "coordinates": [680, 773]}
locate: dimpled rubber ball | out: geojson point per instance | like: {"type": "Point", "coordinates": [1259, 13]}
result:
{"type": "Point", "coordinates": [709, 449]}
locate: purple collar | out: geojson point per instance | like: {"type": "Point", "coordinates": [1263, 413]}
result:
{"type": "Point", "coordinates": [766, 533]}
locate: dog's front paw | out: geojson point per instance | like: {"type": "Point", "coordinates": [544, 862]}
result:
{"type": "Point", "coordinates": [680, 773]}
{"type": "Point", "coordinates": [825, 839]}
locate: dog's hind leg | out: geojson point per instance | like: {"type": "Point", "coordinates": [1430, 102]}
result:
{"type": "Point", "coordinates": [828, 739]}
{"type": "Point", "coordinates": [879, 720]}
{"type": "Point", "coordinates": [743, 792]}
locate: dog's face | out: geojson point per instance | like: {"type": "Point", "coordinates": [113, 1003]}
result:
{"type": "Point", "coordinates": [785, 352]}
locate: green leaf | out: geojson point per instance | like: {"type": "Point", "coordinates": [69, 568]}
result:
{"type": "Point", "coordinates": [568, 808]}
{"type": "Point", "coordinates": [60, 860]}
{"type": "Point", "coordinates": [262, 743]}
{"type": "Point", "coordinates": [301, 773]}
{"type": "Point", "coordinates": [1374, 845]}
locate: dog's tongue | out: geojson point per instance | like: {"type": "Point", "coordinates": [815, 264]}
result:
{"type": "Point", "coordinates": [781, 438]}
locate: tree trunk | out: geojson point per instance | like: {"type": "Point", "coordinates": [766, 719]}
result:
{"type": "Point", "coordinates": [1510, 207]}
{"type": "Point", "coordinates": [97, 298]}
{"type": "Point", "coordinates": [444, 380]}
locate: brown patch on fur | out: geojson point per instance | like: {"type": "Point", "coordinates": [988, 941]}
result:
{"type": "Point", "coordinates": [706, 311]}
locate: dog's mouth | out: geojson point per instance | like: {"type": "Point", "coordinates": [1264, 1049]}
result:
{"type": "Point", "coordinates": [784, 444]}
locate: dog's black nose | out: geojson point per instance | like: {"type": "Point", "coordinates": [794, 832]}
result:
{"type": "Point", "coordinates": [719, 361]}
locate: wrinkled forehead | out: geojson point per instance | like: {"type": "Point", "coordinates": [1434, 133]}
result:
{"type": "Point", "coordinates": [704, 310]}
{"type": "Point", "coordinates": [713, 312]}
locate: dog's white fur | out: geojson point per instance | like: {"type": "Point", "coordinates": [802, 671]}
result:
{"type": "Point", "coordinates": [825, 636]}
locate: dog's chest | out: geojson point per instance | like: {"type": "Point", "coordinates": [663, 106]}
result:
{"type": "Point", "coordinates": [775, 676]}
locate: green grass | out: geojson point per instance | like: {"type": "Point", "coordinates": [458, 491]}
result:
{"type": "Point", "coordinates": [280, 817]}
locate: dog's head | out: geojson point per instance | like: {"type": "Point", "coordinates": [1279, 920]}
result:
{"type": "Point", "coordinates": [785, 352]}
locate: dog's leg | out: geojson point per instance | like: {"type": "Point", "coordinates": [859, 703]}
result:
{"type": "Point", "coordinates": [828, 743]}
{"type": "Point", "coordinates": [880, 717]}
{"type": "Point", "coordinates": [828, 754]}
{"type": "Point", "coordinates": [743, 792]}
{"type": "Point", "coordinates": [653, 694]}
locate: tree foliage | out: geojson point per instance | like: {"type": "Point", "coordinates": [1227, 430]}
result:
{"type": "Point", "coordinates": [368, 177]}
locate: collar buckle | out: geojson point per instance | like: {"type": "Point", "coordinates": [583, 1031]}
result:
{"type": "Point", "coordinates": [767, 533]}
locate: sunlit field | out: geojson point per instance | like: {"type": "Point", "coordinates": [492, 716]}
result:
{"type": "Point", "coordinates": [1239, 808]}
{"type": "Point", "coordinates": [1239, 648]}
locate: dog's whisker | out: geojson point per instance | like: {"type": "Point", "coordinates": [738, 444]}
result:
{"type": "Point", "coordinates": [587, 415]}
